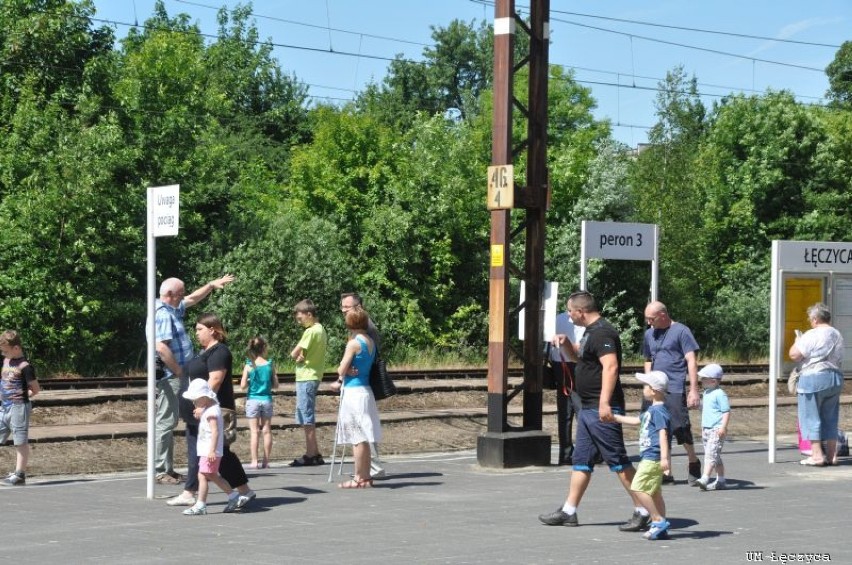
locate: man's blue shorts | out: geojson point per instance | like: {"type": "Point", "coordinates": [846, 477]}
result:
{"type": "Point", "coordinates": [599, 438]}
{"type": "Point", "coordinates": [15, 421]}
{"type": "Point", "coordinates": [306, 402]}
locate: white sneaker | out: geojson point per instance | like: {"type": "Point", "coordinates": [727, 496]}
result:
{"type": "Point", "coordinates": [377, 472]}
{"type": "Point", "coordinates": [244, 499]}
{"type": "Point", "coordinates": [197, 510]}
{"type": "Point", "coordinates": [183, 499]}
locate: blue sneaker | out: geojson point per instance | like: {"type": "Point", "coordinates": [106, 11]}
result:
{"type": "Point", "coordinates": [659, 530]}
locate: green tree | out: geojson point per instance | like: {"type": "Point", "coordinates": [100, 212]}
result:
{"type": "Point", "coordinates": [755, 167]}
{"type": "Point", "coordinates": [294, 257]}
{"type": "Point", "coordinates": [69, 237]}
{"type": "Point", "coordinates": [45, 46]}
{"type": "Point", "coordinates": [839, 73]}
{"type": "Point", "coordinates": [453, 74]}
{"type": "Point", "coordinates": [827, 194]}
{"type": "Point", "coordinates": [666, 193]}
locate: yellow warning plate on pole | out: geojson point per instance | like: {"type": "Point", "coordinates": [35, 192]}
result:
{"type": "Point", "coordinates": [501, 187]}
{"type": "Point", "coordinates": [497, 256]}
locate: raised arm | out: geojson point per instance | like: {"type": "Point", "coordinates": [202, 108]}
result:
{"type": "Point", "coordinates": [203, 292]}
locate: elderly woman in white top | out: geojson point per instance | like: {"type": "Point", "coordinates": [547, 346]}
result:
{"type": "Point", "coordinates": [820, 352]}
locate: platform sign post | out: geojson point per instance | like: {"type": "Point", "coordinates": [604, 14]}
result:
{"type": "Point", "coordinates": [620, 240]}
{"type": "Point", "coordinates": [163, 211]}
{"type": "Point", "coordinates": [830, 263]}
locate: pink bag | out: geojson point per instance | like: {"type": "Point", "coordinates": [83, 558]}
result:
{"type": "Point", "coordinates": [804, 444]}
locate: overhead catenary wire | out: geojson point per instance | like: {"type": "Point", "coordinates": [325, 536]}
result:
{"type": "Point", "coordinates": [679, 28]}
{"type": "Point", "coordinates": [315, 26]}
{"type": "Point", "coordinates": [358, 55]}
{"type": "Point", "coordinates": [414, 61]}
{"type": "Point", "coordinates": [407, 60]}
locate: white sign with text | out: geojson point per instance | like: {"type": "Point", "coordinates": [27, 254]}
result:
{"type": "Point", "coordinates": [164, 203]}
{"type": "Point", "coordinates": [815, 256]}
{"type": "Point", "coordinates": [619, 240]}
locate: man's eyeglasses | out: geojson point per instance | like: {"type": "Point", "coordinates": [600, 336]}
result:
{"type": "Point", "coordinates": [651, 320]}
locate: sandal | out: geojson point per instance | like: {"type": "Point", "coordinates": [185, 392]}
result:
{"type": "Point", "coordinates": [303, 461]}
{"type": "Point", "coordinates": [809, 462]}
{"type": "Point", "coordinates": [356, 482]}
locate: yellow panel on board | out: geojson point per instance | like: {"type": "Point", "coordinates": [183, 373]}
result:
{"type": "Point", "coordinates": [800, 294]}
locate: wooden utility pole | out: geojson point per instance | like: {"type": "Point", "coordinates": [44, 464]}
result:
{"type": "Point", "coordinates": [502, 445]}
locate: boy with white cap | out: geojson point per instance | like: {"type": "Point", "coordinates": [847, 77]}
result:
{"type": "Point", "coordinates": [210, 446]}
{"type": "Point", "coordinates": [655, 446]}
{"type": "Point", "coordinates": [715, 415]}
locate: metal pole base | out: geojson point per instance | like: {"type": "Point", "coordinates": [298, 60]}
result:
{"type": "Point", "coordinates": [508, 450]}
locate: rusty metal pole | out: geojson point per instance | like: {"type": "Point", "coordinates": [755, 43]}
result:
{"type": "Point", "coordinates": [537, 180]}
{"type": "Point", "coordinates": [501, 154]}
{"type": "Point", "coordinates": [502, 446]}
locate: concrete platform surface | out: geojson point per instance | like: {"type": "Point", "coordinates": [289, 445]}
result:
{"type": "Point", "coordinates": [438, 508]}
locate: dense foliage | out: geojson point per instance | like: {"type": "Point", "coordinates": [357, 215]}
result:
{"type": "Point", "coordinates": [384, 195]}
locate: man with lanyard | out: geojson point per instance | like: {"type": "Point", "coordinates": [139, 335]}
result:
{"type": "Point", "coordinates": [174, 349]}
{"type": "Point", "coordinates": [560, 369]}
{"type": "Point", "coordinates": [670, 347]}
{"type": "Point", "coordinates": [601, 395]}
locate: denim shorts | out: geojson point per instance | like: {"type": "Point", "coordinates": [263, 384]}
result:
{"type": "Point", "coordinates": [256, 408]}
{"type": "Point", "coordinates": [595, 437]}
{"type": "Point", "coordinates": [15, 420]}
{"type": "Point", "coordinates": [306, 401]}
{"type": "Point", "coordinates": [819, 413]}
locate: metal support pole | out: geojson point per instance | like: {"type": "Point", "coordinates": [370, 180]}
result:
{"type": "Point", "coordinates": [501, 154]}
{"type": "Point", "coordinates": [151, 331]}
{"type": "Point", "coordinates": [501, 446]}
{"type": "Point", "coordinates": [536, 203]}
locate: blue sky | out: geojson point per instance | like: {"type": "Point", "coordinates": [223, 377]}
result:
{"type": "Point", "coordinates": [620, 61]}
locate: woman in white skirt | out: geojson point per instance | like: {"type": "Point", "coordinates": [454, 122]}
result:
{"type": "Point", "coordinates": [359, 418]}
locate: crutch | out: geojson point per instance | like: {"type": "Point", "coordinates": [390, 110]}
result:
{"type": "Point", "coordinates": [334, 449]}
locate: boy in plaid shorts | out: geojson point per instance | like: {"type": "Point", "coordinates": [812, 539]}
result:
{"type": "Point", "coordinates": [715, 416]}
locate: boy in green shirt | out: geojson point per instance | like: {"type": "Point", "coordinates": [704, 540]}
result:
{"type": "Point", "coordinates": [309, 354]}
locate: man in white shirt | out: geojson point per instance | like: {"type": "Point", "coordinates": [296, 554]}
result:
{"type": "Point", "coordinates": [562, 356]}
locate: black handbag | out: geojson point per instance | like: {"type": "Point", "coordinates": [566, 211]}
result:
{"type": "Point", "coordinates": [380, 381]}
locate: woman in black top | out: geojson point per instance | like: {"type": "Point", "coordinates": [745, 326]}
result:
{"type": "Point", "coordinates": [215, 365]}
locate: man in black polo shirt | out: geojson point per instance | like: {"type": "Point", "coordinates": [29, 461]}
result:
{"type": "Point", "coordinates": [601, 395]}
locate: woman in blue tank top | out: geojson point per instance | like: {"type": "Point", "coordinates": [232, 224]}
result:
{"type": "Point", "coordinates": [359, 424]}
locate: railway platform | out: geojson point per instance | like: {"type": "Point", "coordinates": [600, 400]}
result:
{"type": "Point", "coordinates": [437, 508]}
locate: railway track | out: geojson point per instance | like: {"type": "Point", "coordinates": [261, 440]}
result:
{"type": "Point", "coordinates": [87, 383]}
